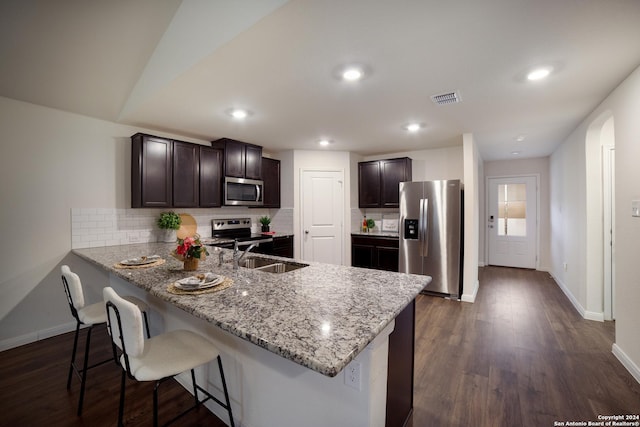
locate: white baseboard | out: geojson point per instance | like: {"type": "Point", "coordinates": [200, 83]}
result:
{"type": "Point", "coordinates": [472, 296]}
{"type": "Point", "coordinates": [481, 264]}
{"type": "Point", "coordinates": [36, 336]}
{"type": "Point", "coordinates": [589, 315]}
{"type": "Point", "coordinates": [594, 315]}
{"type": "Point", "coordinates": [633, 369]}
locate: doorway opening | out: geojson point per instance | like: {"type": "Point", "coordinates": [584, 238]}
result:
{"type": "Point", "coordinates": [600, 219]}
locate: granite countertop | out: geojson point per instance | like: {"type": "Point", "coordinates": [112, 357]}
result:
{"type": "Point", "coordinates": [275, 236]}
{"type": "Point", "coordinates": [320, 316]}
{"type": "Point", "coordinates": [376, 234]}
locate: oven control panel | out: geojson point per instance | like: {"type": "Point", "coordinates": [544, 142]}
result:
{"type": "Point", "coordinates": [230, 223]}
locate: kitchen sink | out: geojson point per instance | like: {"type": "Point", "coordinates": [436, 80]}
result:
{"type": "Point", "coordinates": [255, 262]}
{"type": "Point", "coordinates": [271, 265]}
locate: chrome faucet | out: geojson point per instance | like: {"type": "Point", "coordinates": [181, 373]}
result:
{"type": "Point", "coordinates": [238, 257]}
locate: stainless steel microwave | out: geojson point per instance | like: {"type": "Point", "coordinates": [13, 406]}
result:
{"type": "Point", "coordinates": [243, 192]}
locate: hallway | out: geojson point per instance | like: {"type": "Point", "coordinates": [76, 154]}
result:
{"type": "Point", "coordinates": [519, 356]}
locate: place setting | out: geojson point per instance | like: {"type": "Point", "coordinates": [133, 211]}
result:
{"type": "Point", "coordinates": [140, 262]}
{"type": "Point", "coordinates": [200, 284]}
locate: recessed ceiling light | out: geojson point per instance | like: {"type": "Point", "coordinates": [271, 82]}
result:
{"type": "Point", "coordinates": [239, 113]}
{"type": "Point", "coordinates": [520, 138]}
{"type": "Point", "coordinates": [515, 153]}
{"type": "Point", "coordinates": [352, 74]}
{"type": "Point", "coordinates": [413, 127]}
{"type": "Point", "coordinates": [539, 73]}
{"type": "Point", "coordinates": [325, 142]}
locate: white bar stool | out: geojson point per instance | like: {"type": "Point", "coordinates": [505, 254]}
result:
{"type": "Point", "coordinates": [90, 315]}
{"type": "Point", "coordinates": [159, 358]}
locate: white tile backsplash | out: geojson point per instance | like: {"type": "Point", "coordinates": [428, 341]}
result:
{"type": "Point", "coordinates": [282, 220]}
{"type": "Point", "coordinates": [378, 215]}
{"type": "Point", "coordinates": [96, 227]}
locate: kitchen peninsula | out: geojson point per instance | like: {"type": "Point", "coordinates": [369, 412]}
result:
{"type": "Point", "coordinates": [288, 336]}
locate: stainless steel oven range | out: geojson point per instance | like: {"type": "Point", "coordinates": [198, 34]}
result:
{"type": "Point", "coordinates": [226, 231]}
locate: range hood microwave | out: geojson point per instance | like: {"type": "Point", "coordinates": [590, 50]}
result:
{"type": "Point", "coordinates": [243, 192]}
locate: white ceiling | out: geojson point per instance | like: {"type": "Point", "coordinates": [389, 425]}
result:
{"type": "Point", "coordinates": [178, 66]}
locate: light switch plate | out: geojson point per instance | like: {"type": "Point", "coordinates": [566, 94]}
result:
{"type": "Point", "coordinates": [635, 208]}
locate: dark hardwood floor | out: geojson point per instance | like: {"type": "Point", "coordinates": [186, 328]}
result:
{"type": "Point", "coordinates": [33, 380]}
{"type": "Point", "coordinates": [519, 356]}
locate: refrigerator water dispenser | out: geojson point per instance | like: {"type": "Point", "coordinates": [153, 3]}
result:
{"type": "Point", "coordinates": [411, 229]}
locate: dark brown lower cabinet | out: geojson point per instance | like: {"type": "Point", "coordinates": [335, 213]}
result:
{"type": "Point", "coordinates": [400, 368]}
{"type": "Point", "coordinates": [379, 253]}
{"type": "Point", "coordinates": [281, 246]}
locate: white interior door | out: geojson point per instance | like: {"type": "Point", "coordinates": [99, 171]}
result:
{"type": "Point", "coordinates": [512, 221]}
{"type": "Point", "coordinates": [322, 200]}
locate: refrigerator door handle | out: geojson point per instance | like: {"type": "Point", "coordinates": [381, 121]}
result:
{"type": "Point", "coordinates": [423, 227]}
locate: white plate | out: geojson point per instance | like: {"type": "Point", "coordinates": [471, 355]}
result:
{"type": "Point", "coordinates": [141, 261]}
{"type": "Point", "coordinates": [193, 283]}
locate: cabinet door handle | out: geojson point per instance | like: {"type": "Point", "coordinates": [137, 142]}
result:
{"type": "Point", "coordinates": [306, 231]}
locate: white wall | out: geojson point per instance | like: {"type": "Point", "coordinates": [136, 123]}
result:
{"type": "Point", "coordinates": [569, 224]}
{"type": "Point", "coordinates": [473, 173]}
{"type": "Point", "coordinates": [535, 166]}
{"type": "Point", "coordinates": [433, 164]}
{"type": "Point", "coordinates": [51, 162]}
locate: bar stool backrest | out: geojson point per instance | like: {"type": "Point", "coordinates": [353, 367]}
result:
{"type": "Point", "coordinates": [73, 290]}
{"type": "Point", "coordinates": [124, 321]}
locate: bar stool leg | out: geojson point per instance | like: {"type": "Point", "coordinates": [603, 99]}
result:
{"type": "Point", "coordinates": [226, 392]}
{"type": "Point", "coordinates": [195, 387]}
{"type": "Point", "coordinates": [155, 404]}
{"type": "Point", "coordinates": [84, 370]}
{"type": "Point", "coordinates": [73, 355]}
{"type": "Point", "coordinates": [121, 408]}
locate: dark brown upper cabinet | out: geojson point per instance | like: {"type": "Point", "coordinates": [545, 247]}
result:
{"type": "Point", "coordinates": [241, 160]}
{"type": "Point", "coordinates": [271, 178]}
{"type": "Point", "coordinates": [186, 175]}
{"type": "Point", "coordinates": [167, 173]}
{"type": "Point", "coordinates": [210, 177]}
{"type": "Point", "coordinates": [379, 182]}
{"type": "Point", "coordinates": [253, 162]}
{"type": "Point", "coordinates": [151, 166]}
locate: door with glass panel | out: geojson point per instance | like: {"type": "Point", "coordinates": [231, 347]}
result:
{"type": "Point", "coordinates": [512, 221]}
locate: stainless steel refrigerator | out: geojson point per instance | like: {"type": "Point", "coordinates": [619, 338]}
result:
{"type": "Point", "coordinates": [431, 234]}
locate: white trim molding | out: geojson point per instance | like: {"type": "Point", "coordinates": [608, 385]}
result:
{"type": "Point", "coordinates": [633, 369]}
{"type": "Point", "coordinates": [589, 315]}
{"type": "Point", "coordinates": [472, 296]}
{"type": "Point", "coordinates": [36, 336]}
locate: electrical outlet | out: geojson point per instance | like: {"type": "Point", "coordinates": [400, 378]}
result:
{"type": "Point", "coordinates": [352, 375]}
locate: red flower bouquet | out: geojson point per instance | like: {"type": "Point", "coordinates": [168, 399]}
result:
{"type": "Point", "coordinates": [190, 247]}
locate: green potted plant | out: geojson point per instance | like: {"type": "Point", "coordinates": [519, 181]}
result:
{"type": "Point", "coordinates": [169, 223]}
{"type": "Point", "coordinates": [370, 224]}
{"type": "Point", "coordinates": [265, 221]}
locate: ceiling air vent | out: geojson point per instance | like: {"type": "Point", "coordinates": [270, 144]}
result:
{"type": "Point", "coordinates": [446, 98]}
